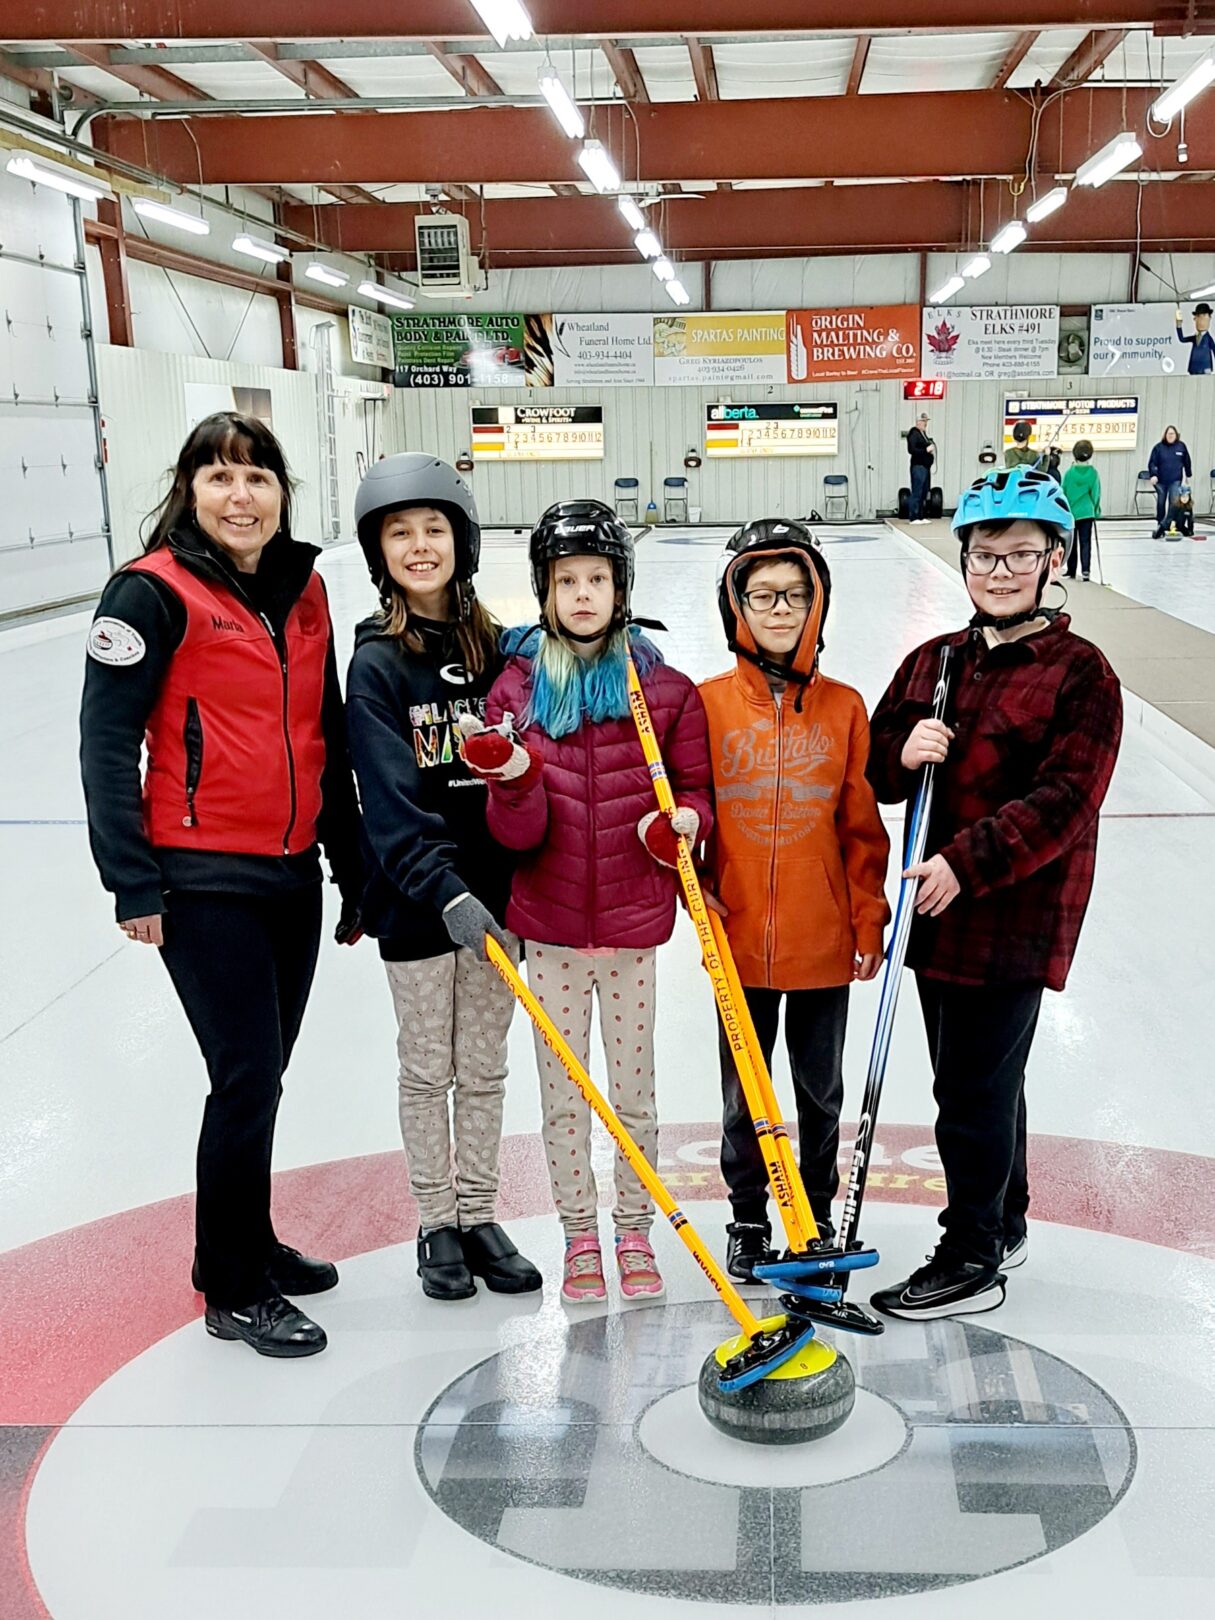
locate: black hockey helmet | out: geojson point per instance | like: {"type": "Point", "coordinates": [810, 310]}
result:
{"type": "Point", "coordinates": [415, 478]}
{"type": "Point", "coordinates": [1083, 450]}
{"type": "Point", "coordinates": [1022, 432]}
{"type": "Point", "coordinates": [767, 537]}
{"type": "Point", "coordinates": [582, 529]}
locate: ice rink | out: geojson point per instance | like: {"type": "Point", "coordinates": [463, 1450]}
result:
{"type": "Point", "coordinates": [1056, 1456]}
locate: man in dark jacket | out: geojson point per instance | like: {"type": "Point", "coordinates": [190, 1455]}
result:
{"type": "Point", "coordinates": [923, 452]}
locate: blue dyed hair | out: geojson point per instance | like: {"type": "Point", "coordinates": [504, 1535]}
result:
{"type": "Point", "coordinates": [568, 690]}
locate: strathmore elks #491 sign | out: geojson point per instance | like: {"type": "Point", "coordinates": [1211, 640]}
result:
{"type": "Point", "coordinates": [990, 340]}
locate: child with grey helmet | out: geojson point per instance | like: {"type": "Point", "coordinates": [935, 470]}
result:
{"type": "Point", "coordinates": [1023, 760]}
{"type": "Point", "coordinates": [424, 660]}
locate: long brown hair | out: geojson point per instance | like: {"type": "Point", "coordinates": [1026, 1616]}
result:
{"type": "Point", "coordinates": [477, 631]}
{"type": "Point", "coordinates": [224, 436]}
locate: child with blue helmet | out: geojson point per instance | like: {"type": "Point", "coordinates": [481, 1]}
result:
{"type": "Point", "coordinates": [1025, 755]}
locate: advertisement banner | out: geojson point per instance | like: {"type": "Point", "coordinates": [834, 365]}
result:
{"type": "Point", "coordinates": [991, 340]}
{"type": "Point", "coordinates": [537, 432]}
{"type": "Point", "coordinates": [771, 429]}
{"type": "Point", "coordinates": [843, 345]}
{"type": "Point", "coordinates": [469, 351]}
{"type": "Point", "coordinates": [603, 351]}
{"type": "Point", "coordinates": [1109, 424]}
{"type": "Point", "coordinates": [1145, 338]}
{"type": "Point", "coordinates": [370, 337]}
{"type": "Point", "coordinates": [720, 350]}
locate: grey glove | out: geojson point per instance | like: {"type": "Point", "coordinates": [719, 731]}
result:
{"type": "Point", "coordinates": [468, 922]}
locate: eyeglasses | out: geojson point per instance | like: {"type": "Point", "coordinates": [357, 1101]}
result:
{"type": "Point", "coordinates": [797, 597]}
{"type": "Point", "coordinates": [1017, 562]}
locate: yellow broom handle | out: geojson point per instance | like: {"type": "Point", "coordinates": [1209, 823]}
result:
{"type": "Point", "coordinates": [637, 1160]}
{"type": "Point", "coordinates": [783, 1174]}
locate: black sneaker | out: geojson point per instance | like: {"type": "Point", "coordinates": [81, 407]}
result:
{"type": "Point", "coordinates": [748, 1245]}
{"type": "Point", "coordinates": [442, 1266]}
{"type": "Point", "coordinates": [946, 1286]}
{"type": "Point", "coordinates": [290, 1273]}
{"type": "Point", "coordinates": [490, 1255]}
{"type": "Point", "coordinates": [273, 1327]}
{"type": "Point", "coordinates": [1016, 1253]}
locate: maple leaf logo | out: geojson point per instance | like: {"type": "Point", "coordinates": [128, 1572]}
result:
{"type": "Point", "coordinates": [944, 340]}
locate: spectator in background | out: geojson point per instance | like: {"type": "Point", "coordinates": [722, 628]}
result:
{"type": "Point", "coordinates": [1168, 468]}
{"type": "Point", "coordinates": [923, 453]}
{"type": "Point", "coordinates": [1082, 492]}
{"type": "Point", "coordinates": [1202, 344]}
{"type": "Point", "coordinates": [1021, 453]}
{"type": "Point", "coordinates": [1053, 462]}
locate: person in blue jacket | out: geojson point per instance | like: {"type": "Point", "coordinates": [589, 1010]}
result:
{"type": "Point", "coordinates": [1202, 344]}
{"type": "Point", "coordinates": [1168, 467]}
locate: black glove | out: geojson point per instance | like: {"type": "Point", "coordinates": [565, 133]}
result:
{"type": "Point", "coordinates": [350, 924]}
{"type": "Point", "coordinates": [468, 922]}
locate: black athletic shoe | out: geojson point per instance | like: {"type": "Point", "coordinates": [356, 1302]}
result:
{"type": "Point", "coordinates": [490, 1255]}
{"type": "Point", "coordinates": [748, 1245]}
{"type": "Point", "coordinates": [442, 1266]}
{"type": "Point", "coordinates": [1016, 1253]}
{"type": "Point", "coordinates": [290, 1273]}
{"type": "Point", "coordinates": [946, 1286]}
{"type": "Point", "coordinates": [274, 1327]}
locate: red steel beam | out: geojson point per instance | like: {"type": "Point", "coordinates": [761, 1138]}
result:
{"type": "Point", "coordinates": [113, 250]}
{"type": "Point", "coordinates": [1013, 58]}
{"type": "Point", "coordinates": [313, 78]}
{"type": "Point", "coordinates": [156, 82]}
{"type": "Point", "coordinates": [1088, 57]}
{"type": "Point", "coordinates": [288, 335]}
{"type": "Point", "coordinates": [800, 220]}
{"type": "Point", "coordinates": [625, 71]}
{"type": "Point", "coordinates": [468, 73]}
{"type": "Point", "coordinates": [952, 134]}
{"type": "Point", "coordinates": [704, 69]}
{"type": "Point", "coordinates": [857, 71]}
{"type": "Point", "coordinates": [38, 20]}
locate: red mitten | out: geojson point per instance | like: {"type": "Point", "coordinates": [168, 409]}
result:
{"type": "Point", "coordinates": [495, 753]}
{"type": "Point", "coordinates": [661, 833]}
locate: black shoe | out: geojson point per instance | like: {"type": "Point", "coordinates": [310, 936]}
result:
{"type": "Point", "coordinates": [290, 1273]}
{"type": "Point", "coordinates": [490, 1255]}
{"type": "Point", "coordinates": [274, 1327]}
{"type": "Point", "coordinates": [748, 1246]}
{"type": "Point", "coordinates": [946, 1286]}
{"type": "Point", "coordinates": [441, 1265]}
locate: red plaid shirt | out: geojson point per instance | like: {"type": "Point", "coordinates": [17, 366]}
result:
{"type": "Point", "coordinates": [1037, 723]}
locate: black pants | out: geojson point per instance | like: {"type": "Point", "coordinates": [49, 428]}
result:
{"type": "Point", "coordinates": [242, 966]}
{"type": "Point", "coordinates": [979, 1040]}
{"type": "Point", "coordinates": [815, 1022]}
{"type": "Point", "coordinates": [1082, 545]}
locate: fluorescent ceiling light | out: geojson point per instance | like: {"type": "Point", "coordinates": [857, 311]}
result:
{"type": "Point", "coordinates": [1047, 204]}
{"type": "Point", "coordinates": [663, 269]}
{"type": "Point", "coordinates": [42, 172]}
{"type": "Point", "coordinates": [1203, 292]}
{"type": "Point", "coordinates": [505, 19]}
{"type": "Point", "coordinates": [978, 266]}
{"type": "Point", "coordinates": [1188, 86]}
{"type": "Point", "coordinates": [648, 245]}
{"type": "Point", "coordinates": [1112, 157]}
{"type": "Point", "coordinates": [256, 247]}
{"type": "Point", "coordinates": [176, 217]}
{"type": "Point", "coordinates": [595, 161]}
{"type": "Point", "coordinates": [678, 292]}
{"type": "Point", "coordinates": [564, 109]}
{"type": "Point", "coordinates": [371, 289]}
{"type": "Point", "coordinates": [944, 293]}
{"type": "Point", "coordinates": [322, 272]}
{"type": "Point", "coordinates": [633, 215]}
{"type": "Point", "coordinates": [1008, 237]}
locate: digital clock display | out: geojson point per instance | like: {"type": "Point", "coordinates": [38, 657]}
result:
{"type": "Point", "coordinates": [925, 388]}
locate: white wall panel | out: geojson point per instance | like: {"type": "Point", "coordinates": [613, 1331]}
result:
{"type": "Point", "coordinates": [176, 314]}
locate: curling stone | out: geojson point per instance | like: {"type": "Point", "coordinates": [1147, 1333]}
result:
{"type": "Point", "coordinates": [806, 1398]}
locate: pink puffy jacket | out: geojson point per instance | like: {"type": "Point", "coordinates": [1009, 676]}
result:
{"type": "Point", "coordinates": [585, 878]}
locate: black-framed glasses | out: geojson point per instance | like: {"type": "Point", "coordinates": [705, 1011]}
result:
{"type": "Point", "coordinates": [1017, 562]}
{"type": "Point", "coordinates": [797, 597]}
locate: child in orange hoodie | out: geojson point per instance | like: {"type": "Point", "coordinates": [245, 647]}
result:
{"type": "Point", "coordinates": [797, 856]}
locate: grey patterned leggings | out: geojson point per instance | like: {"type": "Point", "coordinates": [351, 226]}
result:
{"type": "Point", "coordinates": [565, 983]}
{"type": "Point", "coordinates": [453, 1013]}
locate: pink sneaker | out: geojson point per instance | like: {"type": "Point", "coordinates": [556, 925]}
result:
{"type": "Point", "coordinates": [583, 1280]}
{"type": "Point", "coordinates": [639, 1274]}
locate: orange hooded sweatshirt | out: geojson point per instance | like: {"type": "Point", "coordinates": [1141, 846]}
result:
{"type": "Point", "coordinates": [798, 850]}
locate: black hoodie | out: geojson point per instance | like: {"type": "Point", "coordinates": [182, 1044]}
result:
{"type": "Point", "coordinates": [423, 809]}
{"type": "Point", "coordinates": [118, 700]}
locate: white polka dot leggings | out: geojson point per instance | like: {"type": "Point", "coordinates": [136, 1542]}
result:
{"type": "Point", "coordinates": [564, 982]}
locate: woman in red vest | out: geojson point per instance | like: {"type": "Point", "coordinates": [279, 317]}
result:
{"type": "Point", "coordinates": [215, 648]}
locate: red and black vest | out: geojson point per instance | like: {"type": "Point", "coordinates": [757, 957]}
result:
{"type": "Point", "coordinates": [235, 746]}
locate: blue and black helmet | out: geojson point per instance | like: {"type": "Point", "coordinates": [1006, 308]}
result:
{"type": "Point", "coordinates": [1012, 494]}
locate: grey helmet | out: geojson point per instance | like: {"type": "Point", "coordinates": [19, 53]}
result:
{"type": "Point", "coordinates": [415, 478]}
